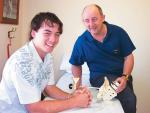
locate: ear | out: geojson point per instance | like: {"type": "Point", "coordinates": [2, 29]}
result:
{"type": "Point", "coordinates": [103, 18]}
{"type": "Point", "coordinates": [33, 33]}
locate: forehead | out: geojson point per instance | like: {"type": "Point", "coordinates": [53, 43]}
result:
{"type": "Point", "coordinates": [90, 11]}
{"type": "Point", "coordinates": [48, 24]}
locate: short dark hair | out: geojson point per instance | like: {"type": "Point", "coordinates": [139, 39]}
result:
{"type": "Point", "coordinates": [38, 20]}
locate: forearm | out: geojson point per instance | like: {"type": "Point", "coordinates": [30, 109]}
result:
{"type": "Point", "coordinates": [78, 99]}
{"type": "Point", "coordinates": [51, 106]}
{"type": "Point", "coordinates": [128, 64]}
{"type": "Point", "coordinates": [77, 73]}
{"type": "Point", "coordinates": [55, 92]}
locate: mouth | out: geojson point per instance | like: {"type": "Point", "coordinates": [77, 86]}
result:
{"type": "Point", "coordinates": [50, 45]}
{"type": "Point", "coordinates": [92, 28]}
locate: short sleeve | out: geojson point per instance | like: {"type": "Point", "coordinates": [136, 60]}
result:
{"type": "Point", "coordinates": [127, 45]}
{"type": "Point", "coordinates": [77, 57]}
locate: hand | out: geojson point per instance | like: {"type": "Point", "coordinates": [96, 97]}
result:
{"type": "Point", "coordinates": [85, 90]}
{"type": "Point", "coordinates": [122, 81]}
{"type": "Point", "coordinates": [84, 96]}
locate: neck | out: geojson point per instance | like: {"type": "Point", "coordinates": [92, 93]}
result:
{"type": "Point", "coordinates": [41, 53]}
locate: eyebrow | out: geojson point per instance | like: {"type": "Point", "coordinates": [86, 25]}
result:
{"type": "Point", "coordinates": [47, 30]}
{"type": "Point", "coordinates": [50, 31]}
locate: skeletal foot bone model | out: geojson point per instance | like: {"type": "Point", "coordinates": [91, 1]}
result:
{"type": "Point", "coordinates": [75, 80]}
{"type": "Point", "coordinates": [107, 92]}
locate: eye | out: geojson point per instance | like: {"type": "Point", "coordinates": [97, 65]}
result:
{"type": "Point", "coordinates": [47, 34]}
{"type": "Point", "coordinates": [86, 20]}
{"type": "Point", "coordinates": [57, 34]}
{"type": "Point", "coordinates": [94, 19]}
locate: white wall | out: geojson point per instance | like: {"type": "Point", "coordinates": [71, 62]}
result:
{"type": "Point", "coordinates": [16, 42]}
{"type": "Point", "coordinates": [132, 15]}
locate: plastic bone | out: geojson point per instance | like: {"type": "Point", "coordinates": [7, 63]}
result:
{"type": "Point", "coordinates": [106, 92]}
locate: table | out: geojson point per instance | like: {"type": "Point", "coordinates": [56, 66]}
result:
{"type": "Point", "coordinates": [99, 106]}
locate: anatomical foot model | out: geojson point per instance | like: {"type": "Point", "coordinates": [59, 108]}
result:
{"type": "Point", "coordinates": [107, 91]}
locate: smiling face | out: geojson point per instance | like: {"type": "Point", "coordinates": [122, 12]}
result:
{"type": "Point", "coordinates": [46, 38]}
{"type": "Point", "coordinates": [93, 19]}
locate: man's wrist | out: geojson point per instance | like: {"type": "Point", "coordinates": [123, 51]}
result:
{"type": "Point", "coordinates": [126, 76]}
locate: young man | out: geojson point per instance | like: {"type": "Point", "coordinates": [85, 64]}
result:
{"type": "Point", "coordinates": [107, 50]}
{"type": "Point", "coordinates": [29, 72]}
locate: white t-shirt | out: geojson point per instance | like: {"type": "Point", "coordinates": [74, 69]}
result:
{"type": "Point", "coordinates": [24, 78]}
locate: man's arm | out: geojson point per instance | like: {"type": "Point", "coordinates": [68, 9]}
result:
{"type": "Point", "coordinates": [65, 102]}
{"type": "Point", "coordinates": [55, 106]}
{"type": "Point", "coordinates": [77, 73]}
{"type": "Point", "coordinates": [55, 92]}
{"type": "Point", "coordinates": [128, 66]}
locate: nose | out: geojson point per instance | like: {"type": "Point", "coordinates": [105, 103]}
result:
{"type": "Point", "coordinates": [90, 23]}
{"type": "Point", "coordinates": [52, 38]}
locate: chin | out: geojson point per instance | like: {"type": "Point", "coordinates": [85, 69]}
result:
{"type": "Point", "coordinates": [49, 50]}
{"type": "Point", "coordinates": [93, 31]}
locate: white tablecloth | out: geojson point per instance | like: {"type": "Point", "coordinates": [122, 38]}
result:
{"type": "Point", "coordinates": [99, 106]}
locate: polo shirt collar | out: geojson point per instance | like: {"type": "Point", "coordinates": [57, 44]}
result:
{"type": "Point", "coordinates": [89, 36]}
{"type": "Point", "coordinates": [34, 51]}
{"type": "Point", "coordinates": [109, 30]}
